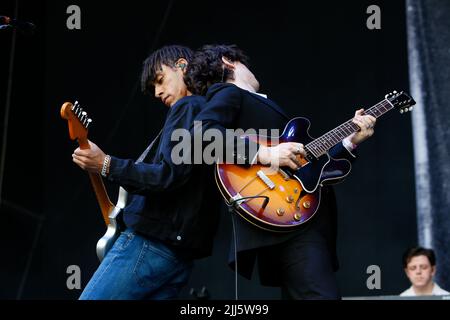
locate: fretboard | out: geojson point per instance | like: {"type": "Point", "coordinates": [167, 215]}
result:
{"type": "Point", "coordinates": [325, 142]}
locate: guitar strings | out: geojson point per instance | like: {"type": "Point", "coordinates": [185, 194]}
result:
{"type": "Point", "coordinates": [348, 124]}
{"type": "Point", "coordinates": [329, 136]}
{"type": "Point", "coordinates": [320, 145]}
{"type": "Point", "coordinates": [248, 183]}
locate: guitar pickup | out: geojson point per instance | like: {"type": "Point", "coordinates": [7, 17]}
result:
{"type": "Point", "coordinates": [310, 156]}
{"type": "Point", "coordinates": [286, 175]}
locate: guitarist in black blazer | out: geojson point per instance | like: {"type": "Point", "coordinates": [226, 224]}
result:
{"type": "Point", "coordinates": [301, 262]}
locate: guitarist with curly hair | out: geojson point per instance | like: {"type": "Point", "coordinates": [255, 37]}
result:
{"type": "Point", "coordinates": [302, 262]}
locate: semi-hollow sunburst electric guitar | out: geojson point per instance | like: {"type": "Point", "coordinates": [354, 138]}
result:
{"type": "Point", "coordinates": [281, 199]}
{"type": "Point", "coordinates": [79, 122]}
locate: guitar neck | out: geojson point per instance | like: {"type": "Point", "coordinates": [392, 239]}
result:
{"type": "Point", "coordinates": [321, 145]}
{"type": "Point", "coordinates": [106, 206]}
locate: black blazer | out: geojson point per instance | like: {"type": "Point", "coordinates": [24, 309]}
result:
{"type": "Point", "coordinates": [228, 106]}
{"type": "Point", "coordinates": [175, 203]}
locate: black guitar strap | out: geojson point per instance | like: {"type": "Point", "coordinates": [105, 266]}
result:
{"type": "Point", "coordinates": [150, 146]}
{"type": "Point", "coordinates": [123, 194]}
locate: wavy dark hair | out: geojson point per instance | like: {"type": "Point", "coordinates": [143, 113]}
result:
{"type": "Point", "coordinates": [206, 66]}
{"type": "Point", "coordinates": [418, 251]}
{"type": "Point", "coordinates": [167, 55]}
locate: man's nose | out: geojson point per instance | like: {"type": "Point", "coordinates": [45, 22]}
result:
{"type": "Point", "coordinates": [158, 92]}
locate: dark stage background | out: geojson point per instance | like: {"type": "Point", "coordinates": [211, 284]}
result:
{"type": "Point", "coordinates": [316, 59]}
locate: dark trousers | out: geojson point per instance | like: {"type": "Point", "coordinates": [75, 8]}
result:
{"type": "Point", "coordinates": [303, 269]}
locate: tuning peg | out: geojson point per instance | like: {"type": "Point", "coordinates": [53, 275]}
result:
{"type": "Point", "coordinates": [401, 111]}
{"type": "Point", "coordinates": [89, 121]}
{"type": "Point", "coordinates": [83, 117]}
{"type": "Point", "coordinates": [410, 108]}
{"type": "Point", "coordinates": [394, 92]}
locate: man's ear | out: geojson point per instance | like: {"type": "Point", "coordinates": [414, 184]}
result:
{"type": "Point", "coordinates": [228, 63]}
{"type": "Point", "coordinates": [433, 270]}
{"type": "Point", "coordinates": [182, 64]}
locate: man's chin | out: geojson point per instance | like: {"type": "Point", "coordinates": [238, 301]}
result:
{"type": "Point", "coordinates": [170, 102]}
{"type": "Point", "coordinates": [420, 284]}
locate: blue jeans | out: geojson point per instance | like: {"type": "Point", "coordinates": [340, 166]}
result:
{"type": "Point", "coordinates": [138, 268]}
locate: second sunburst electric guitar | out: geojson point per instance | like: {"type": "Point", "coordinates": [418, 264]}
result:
{"type": "Point", "coordinates": [280, 199]}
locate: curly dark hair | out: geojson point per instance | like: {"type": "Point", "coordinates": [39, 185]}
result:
{"type": "Point", "coordinates": [418, 251]}
{"type": "Point", "coordinates": [167, 55]}
{"type": "Point", "coordinates": [206, 66]}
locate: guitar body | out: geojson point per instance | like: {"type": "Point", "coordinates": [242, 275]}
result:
{"type": "Point", "coordinates": [316, 171]}
{"type": "Point", "coordinates": [113, 231]}
{"type": "Point", "coordinates": [115, 226]}
{"type": "Point", "coordinates": [294, 196]}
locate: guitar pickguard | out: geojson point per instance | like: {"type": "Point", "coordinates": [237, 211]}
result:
{"type": "Point", "coordinates": [310, 174]}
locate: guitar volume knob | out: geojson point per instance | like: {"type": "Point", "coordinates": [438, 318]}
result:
{"type": "Point", "coordinates": [280, 211]}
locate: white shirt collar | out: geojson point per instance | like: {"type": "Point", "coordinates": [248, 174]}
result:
{"type": "Point", "coordinates": [437, 290]}
{"type": "Point", "coordinates": [261, 94]}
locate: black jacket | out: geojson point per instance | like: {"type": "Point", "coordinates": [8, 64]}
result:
{"type": "Point", "coordinates": [175, 203]}
{"type": "Point", "coordinates": [228, 106]}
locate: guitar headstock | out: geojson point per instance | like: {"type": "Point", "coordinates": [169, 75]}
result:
{"type": "Point", "coordinates": [78, 120]}
{"type": "Point", "coordinates": [401, 100]}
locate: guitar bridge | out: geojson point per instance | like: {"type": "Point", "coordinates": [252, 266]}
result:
{"type": "Point", "coordinates": [269, 183]}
